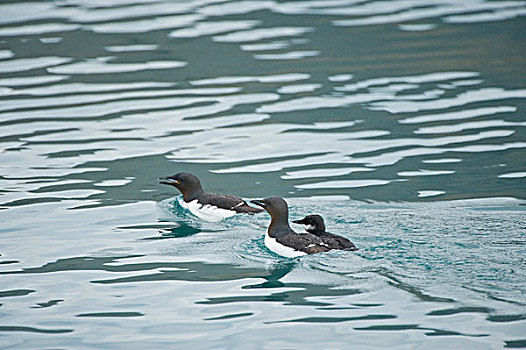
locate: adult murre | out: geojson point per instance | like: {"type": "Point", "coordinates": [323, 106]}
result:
{"type": "Point", "coordinates": [315, 225]}
{"type": "Point", "coordinates": [207, 206]}
{"type": "Point", "coordinates": [280, 238]}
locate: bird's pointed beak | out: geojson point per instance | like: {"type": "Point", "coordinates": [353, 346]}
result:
{"type": "Point", "coordinates": [298, 222]}
{"type": "Point", "coordinates": [168, 181]}
{"type": "Point", "coordinates": [258, 202]}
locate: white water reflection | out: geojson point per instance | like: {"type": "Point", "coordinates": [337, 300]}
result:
{"type": "Point", "coordinates": [417, 27]}
{"type": "Point", "coordinates": [446, 129]}
{"type": "Point", "coordinates": [382, 12]}
{"type": "Point", "coordinates": [212, 28]}
{"type": "Point", "coordinates": [304, 174]}
{"type": "Point", "coordinates": [4, 54]}
{"type": "Point", "coordinates": [340, 77]}
{"type": "Point", "coordinates": [442, 160]}
{"type": "Point", "coordinates": [345, 184]}
{"type": "Point", "coordinates": [274, 45]}
{"type": "Point", "coordinates": [277, 78]}
{"type": "Point", "coordinates": [147, 25]}
{"type": "Point", "coordinates": [411, 79]}
{"type": "Point", "coordinates": [131, 48]}
{"type": "Point", "coordinates": [513, 175]}
{"type": "Point", "coordinates": [458, 115]}
{"type": "Point", "coordinates": [27, 64]}
{"type": "Point", "coordinates": [102, 66]}
{"type": "Point", "coordinates": [429, 193]}
{"type": "Point", "coordinates": [36, 80]}
{"type": "Point", "coordinates": [51, 40]}
{"type": "Point", "coordinates": [413, 108]}
{"type": "Point", "coordinates": [33, 11]}
{"type": "Point", "coordinates": [143, 99]}
{"type": "Point", "coordinates": [305, 160]}
{"type": "Point", "coordinates": [114, 182]}
{"type": "Point", "coordinates": [38, 29]}
{"type": "Point", "coordinates": [261, 33]}
{"type": "Point", "coordinates": [491, 16]}
{"type": "Point", "coordinates": [485, 94]}
{"type": "Point", "coordinates": [310, 103]}
{"type": "Point", "coordinates": [423, 172]}
{"type": "Point", "coordinates": [235, 7]}
{"type": "Point", "coordinates": [298, 88]}
{"type": "Point", "coordinates": [292, 55]}
{"type": "Point", "coordinates": [102, 14]}
{"type": "Point", "coordinates": [72, 88]}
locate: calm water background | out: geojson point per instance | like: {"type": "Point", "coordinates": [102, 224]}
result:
{"type": "Point", "coordinates": [401, 122]}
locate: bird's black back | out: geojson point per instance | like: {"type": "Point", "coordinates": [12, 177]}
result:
{"type": "Point", "coordinates": [227, 202]}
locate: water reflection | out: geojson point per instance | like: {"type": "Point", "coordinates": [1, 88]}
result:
{"type": "Point", "coordinates": [182, 230]}
{"type": "Point", "coordinates": [397, 104]}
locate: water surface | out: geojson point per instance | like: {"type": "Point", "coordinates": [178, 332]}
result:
{"type": "Point", "coordinates": [401, 122]}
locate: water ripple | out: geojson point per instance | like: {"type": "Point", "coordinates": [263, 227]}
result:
{"type": "Point", "coordinates": [103, 67]}
{"type": "Point", "coordinates": [38, 29]}
{"type": "Point", "coordinates": [292, 55]}
{"type": "Point", "coordinates": [404, 11]}
{"type": "Point", "coordinates": [212, 28]}
{"type": "Point", "coordinates": [448, 129]}
{"type": "Point", "coordinates": [131, 48]}
{"type": "Point", "coordinates": [411, 108]}
{"type": "Point", "coordinates": [236, 7]}
{"type": "Point", "coordinates": [485, 94]}
{"type": "Point", "coordinates": [146, 25]}
{"type": "Point", "coordinates": [345, 184]}
{"type": "Point", "coordinates": [277, 78]}
{"type": "Point", "coordinates": [459, 115]}
{"type": "Point", "coordinates": [26, 64]}
{"type": "Point", "coordinates": [35, 80]}
{"type": "Point", "coordinates": [261, 33]}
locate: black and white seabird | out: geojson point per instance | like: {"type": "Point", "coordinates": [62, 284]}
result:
{"type": "Point", "coordinates": [280, 238]}
{"type": "Point", "coordinates": [315, 225]}
{"type": "Point", "coordinates": [208, 206]}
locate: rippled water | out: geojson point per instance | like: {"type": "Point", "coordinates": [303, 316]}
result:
{"type": "Point", "coordinates": [401, 122]}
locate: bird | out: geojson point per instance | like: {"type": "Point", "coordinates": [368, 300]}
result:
{"type": "Point", "coordinates": [208, 206]}
{"type": "Point", "coordinates": [314, 224]}
{"type": "Point", "coordinates": [281, 238]}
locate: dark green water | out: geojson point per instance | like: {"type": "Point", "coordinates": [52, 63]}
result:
{"type": "Point", "coordinates": [401, 122]}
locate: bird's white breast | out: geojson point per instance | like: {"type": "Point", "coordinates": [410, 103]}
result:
{"type": "Point", "coordinates": [206, 212]}
{"type": "Point", "coordinates": [281, 249]}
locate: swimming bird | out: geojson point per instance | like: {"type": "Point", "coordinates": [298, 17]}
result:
{"type": "Point", "coordinates": [208, 206]}
{"type": "Point", "coordinates": [280, 238]}
{"type": "Point", "coordinates": [315, 225]}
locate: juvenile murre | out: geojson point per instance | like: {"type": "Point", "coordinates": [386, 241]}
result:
{"type": "Point", "coordinates": [315, 225]}
{"type": "Point", "coordinates": [280, 238]}
{"type": "Point", "coordinates": [208, 206]}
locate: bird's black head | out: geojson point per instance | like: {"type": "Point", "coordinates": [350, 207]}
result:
{"type": "Point", "coordinates": [313, 223]}
{"type": "Point", "coordinates": [187, 183]}
{"type": "Point", "coordinates": [275, 206]}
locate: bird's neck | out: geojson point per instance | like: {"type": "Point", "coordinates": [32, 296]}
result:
{"type": "Point", "coordinates": [278, 224]}
{"type": "Point", "coordinates": [189, 196]}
